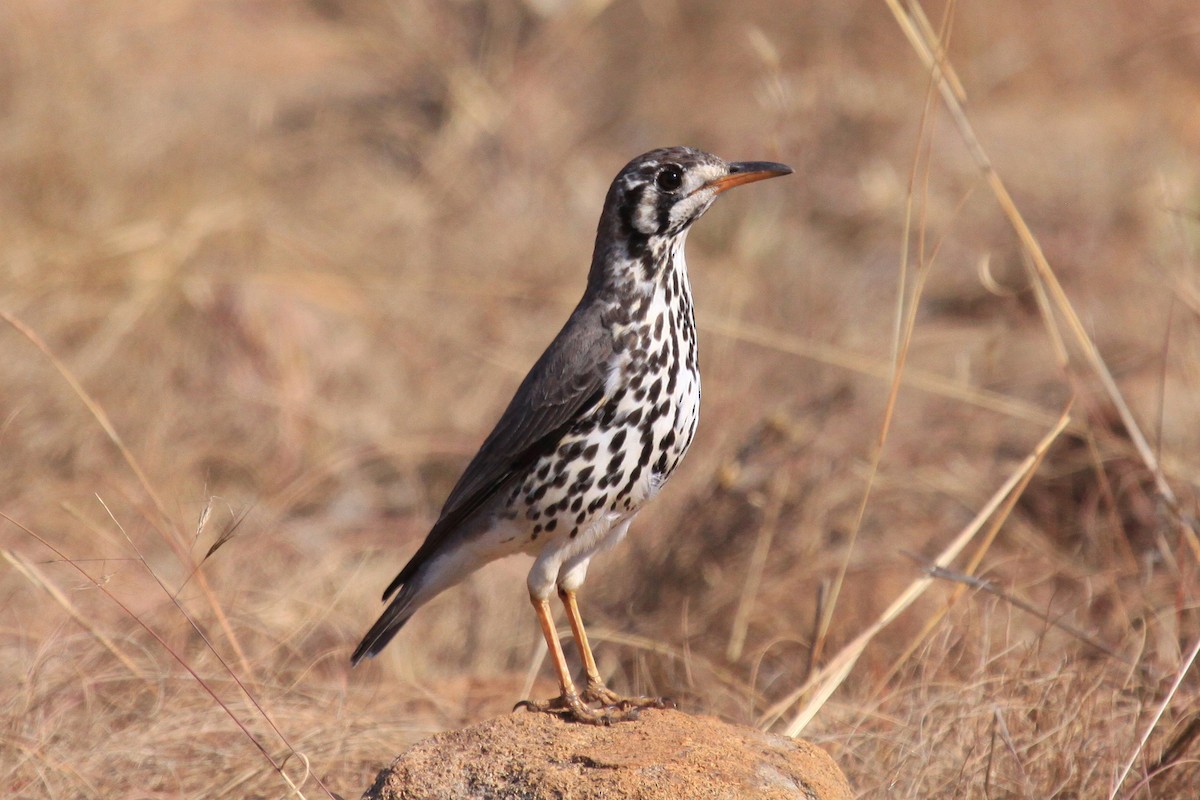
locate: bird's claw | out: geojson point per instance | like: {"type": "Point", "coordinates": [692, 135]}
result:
{"type": "Point", "coordinates": [573, 708]}
{"type": "Point", "coordinates": [601, 694]}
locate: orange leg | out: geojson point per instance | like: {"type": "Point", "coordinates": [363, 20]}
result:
{"type": "Point", "coordinates": [542, 607]}
{"type": "Point", "coordinates": [568, 702]}
{"type": "Point", "coordinates": [596, 691]}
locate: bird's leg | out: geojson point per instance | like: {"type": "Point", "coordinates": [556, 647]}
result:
{"type": "Point", "coordinates": [596, 691]}
{"type": "Point", "coordinates": [569, 702]}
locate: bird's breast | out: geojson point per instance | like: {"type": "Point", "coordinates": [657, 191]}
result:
{"type": "Point", "coordinates": [654, 385]}
{"type": "Point", "coordinates": [614, 459]}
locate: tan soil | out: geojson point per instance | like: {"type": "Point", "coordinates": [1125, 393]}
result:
{"type": "Point", "coordinates": [664, 754]}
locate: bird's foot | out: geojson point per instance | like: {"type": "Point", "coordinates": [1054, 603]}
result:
{"type": "Point", "coordinates": [597, 692]}
{"type": "Point", "coordinates": [571, 707]}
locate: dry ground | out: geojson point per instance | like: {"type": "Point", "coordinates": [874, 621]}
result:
{"type": "Point", "coordinates": [297, 255]}
{"type": "Point", "coordinates": [662, 755]}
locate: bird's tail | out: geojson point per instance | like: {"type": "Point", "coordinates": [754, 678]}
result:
{"type": "Point", "coordinates": [429, 572]}
{"type": "Point", "coordinates": [398, 612]}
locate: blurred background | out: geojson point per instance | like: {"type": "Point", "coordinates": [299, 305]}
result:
{"type": "Point", "coordinates": [297, 256]}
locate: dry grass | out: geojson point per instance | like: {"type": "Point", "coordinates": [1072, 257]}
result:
{"type": "Point", "coordinates": [286, 262]}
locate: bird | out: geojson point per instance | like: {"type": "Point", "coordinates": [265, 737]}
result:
{"type": "Point", "coordinates": [594, 430]}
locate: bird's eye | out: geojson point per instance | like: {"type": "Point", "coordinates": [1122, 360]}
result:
{"type": "Point", "coordinates": [669, 178]}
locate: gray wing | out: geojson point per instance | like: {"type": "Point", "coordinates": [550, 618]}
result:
{"type": "Point", "coordinates": [564, 386]}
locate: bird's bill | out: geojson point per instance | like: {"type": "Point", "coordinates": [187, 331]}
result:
{"type": "Point", "coordinates": [748, 172]}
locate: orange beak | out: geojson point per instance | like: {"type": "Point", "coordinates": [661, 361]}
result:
{"type": "Point", "coordinates": [748, 172]}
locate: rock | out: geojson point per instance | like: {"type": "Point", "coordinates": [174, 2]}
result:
{"type": "Point", "coordinates": [663, 754]}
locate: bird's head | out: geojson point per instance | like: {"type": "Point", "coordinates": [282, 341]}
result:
{"type": "Point", "coordinates": [658, 195]}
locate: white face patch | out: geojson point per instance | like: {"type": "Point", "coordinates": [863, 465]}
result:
{"type": "Point", "coordinates": [686, 203]}
{"type": "Point", "coordinates": [691, 207]}
{"type": "Point", "coordinates": [694, 199]}
{"type": "Point", "coordinates": [701, 174]}
{"type": "Point", "coordinates": [646, 217]}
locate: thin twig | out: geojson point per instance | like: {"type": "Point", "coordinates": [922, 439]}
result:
{"type": "Point", "coordinates": [972, 564]}
{"type": "Point", "coordinates": [818, 615]}
{"type": "Point", "coordinates": [944, 573]}
{"type": "Point", "coordinates": [241, 684]}
{"type": "Point", "coordinates": [35, 576]}
{"type": "Point", "coordinates": [1162, 707]}
{"type": "Point", "coordinates": [1178, 746]}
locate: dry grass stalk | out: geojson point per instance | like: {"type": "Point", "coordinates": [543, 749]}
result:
{"type": "Point", "coordinates": [1184, 667]}
{"type": "Point", "coordinates": [918, 38]}
{"type": "Point", "coordinates": [38, 579]}
{"type": "Point", "coordinates": [907, 304]}
{"type": "Point", "coordinates": [204, 684]}
{"type": "Point", "coordinates": [758, 562]}
{"type": "Point", "coordinates": [966, 580]}
{"type": "Point", "coordinates": [922, 380]}
{"type": "Point", "coordinates": [826, 681]}
{"type": "Point", "coordinates": [170, 534]}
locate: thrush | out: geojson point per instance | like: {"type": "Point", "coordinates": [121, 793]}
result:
{"type": "Point", "coordinates": [595, 429]}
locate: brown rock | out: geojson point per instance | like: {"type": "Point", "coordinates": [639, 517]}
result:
{"type": "Point", "coordinates": [664, 754]}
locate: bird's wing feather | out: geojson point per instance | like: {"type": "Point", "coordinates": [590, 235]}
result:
{"type": "Point", "coordinates": [565, 384]}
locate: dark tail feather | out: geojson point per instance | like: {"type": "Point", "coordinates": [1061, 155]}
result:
{"type": "Point", "coordinates": [387, 626]}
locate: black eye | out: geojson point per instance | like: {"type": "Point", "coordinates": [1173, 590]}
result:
{"type": "Point", "coordinates": [669, 178]}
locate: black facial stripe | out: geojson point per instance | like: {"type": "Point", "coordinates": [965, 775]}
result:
{"type": "Point", "coordinates": [636, 240]}
{"type": "Point", "coordinates": [631, 200]}
{"type": "Point", "coordinates": [665, 203]}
